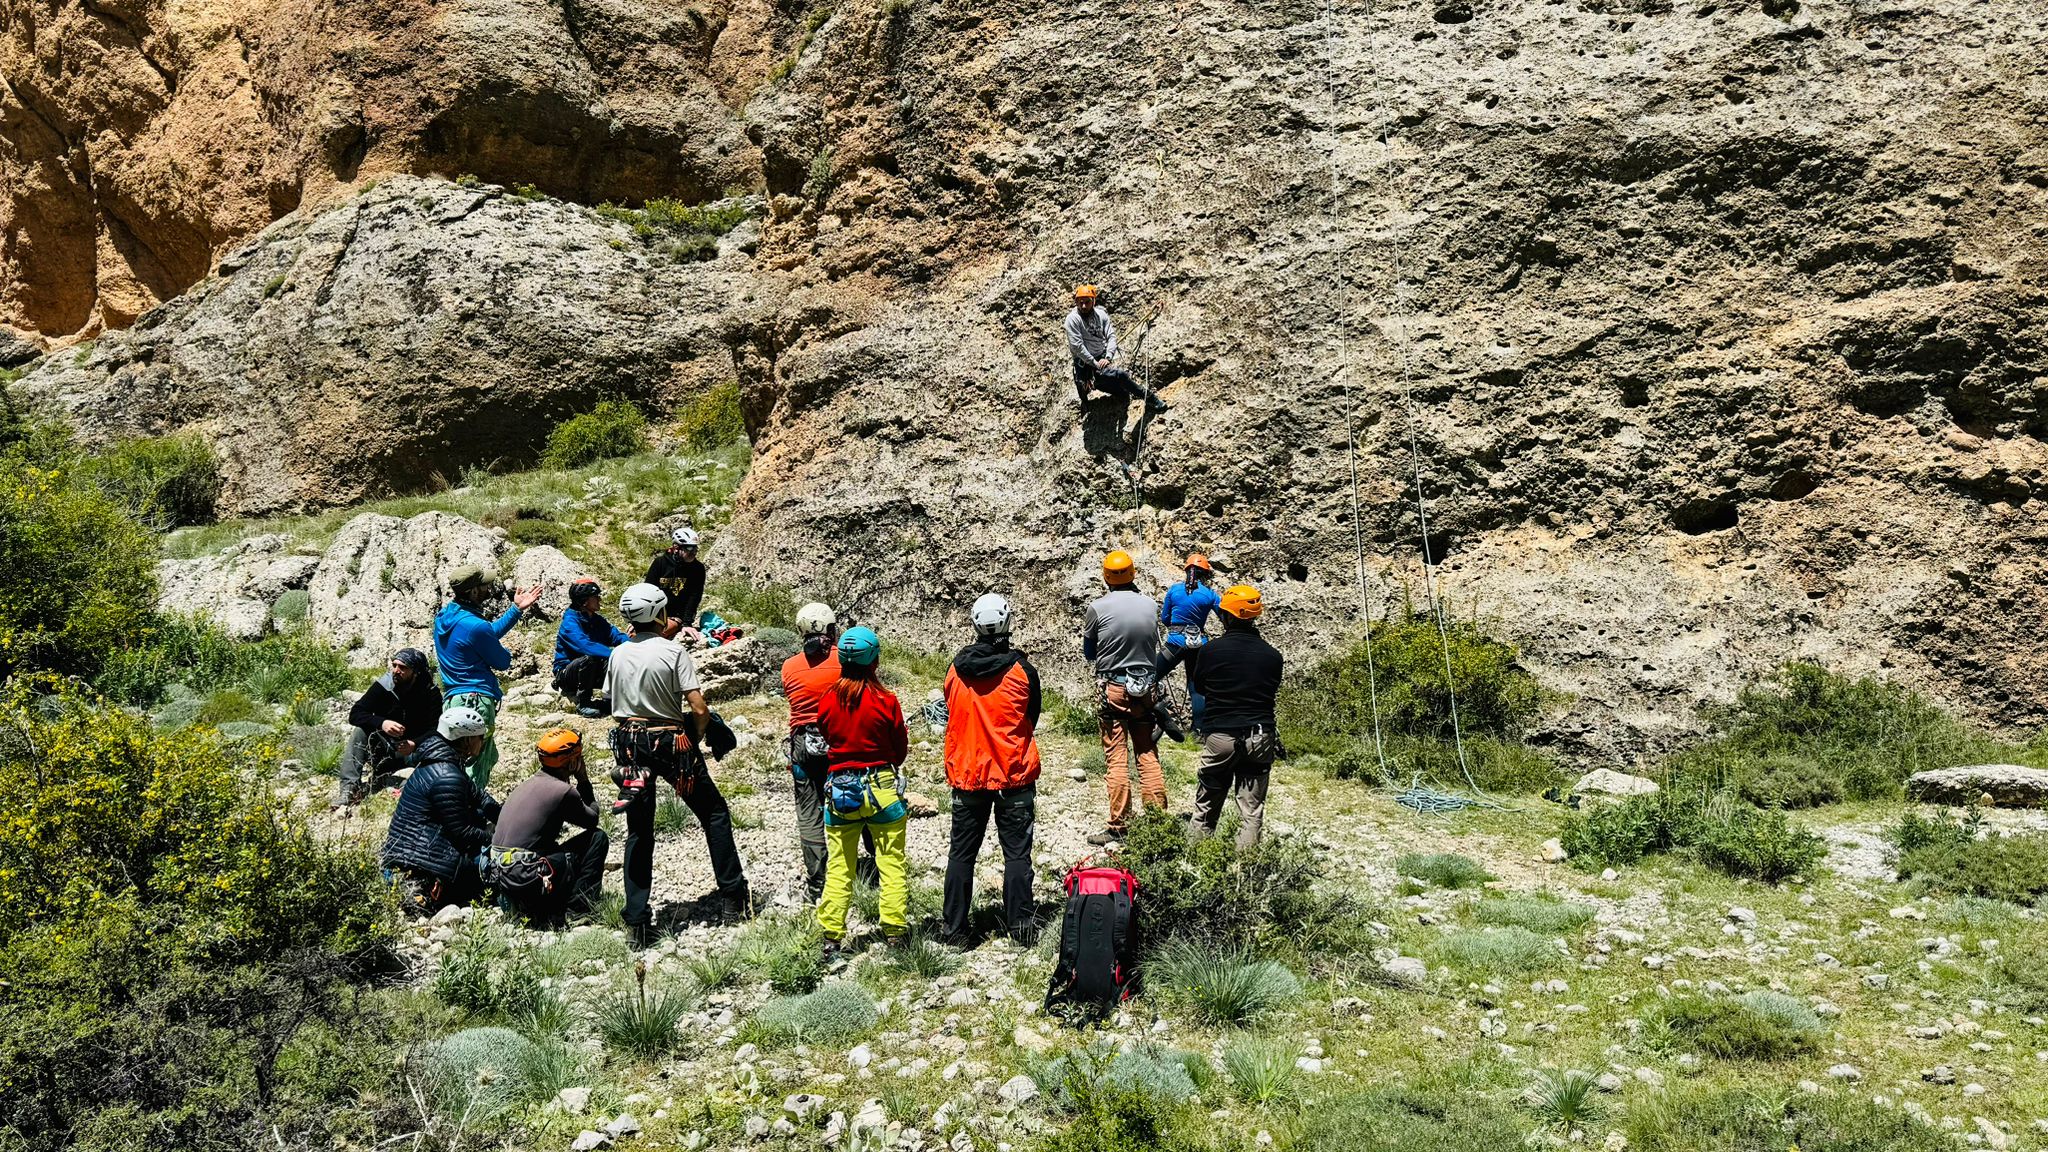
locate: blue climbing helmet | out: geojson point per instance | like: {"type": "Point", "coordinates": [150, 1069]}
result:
{"type": "Point", "coordinates": [859, 647]}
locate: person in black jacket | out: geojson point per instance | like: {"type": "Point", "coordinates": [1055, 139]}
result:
{"type": "Point", "coordinates": [443, 822]}
{"type": "Point", "coordinates": [388, 722]}
{"type": "Point", "coordinates": [678, 572]}
{"type": "Point", "coordinates": [1238, 674]}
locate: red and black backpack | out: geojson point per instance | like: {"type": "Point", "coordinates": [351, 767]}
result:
{"type": "Point", "coordinates": [1098, 960]}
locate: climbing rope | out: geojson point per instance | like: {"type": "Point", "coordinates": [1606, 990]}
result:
{"type": "Point", "coordinates": [1430, 801]}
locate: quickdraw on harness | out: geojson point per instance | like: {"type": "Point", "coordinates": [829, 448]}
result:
{"type": "Point", "coordinates": [642, 751]}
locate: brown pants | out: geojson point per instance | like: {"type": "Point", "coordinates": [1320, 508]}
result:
{"type": "Point", "coordinates": [1231, 768]}
{"type": "Point", "coordinates": [1127, 732]}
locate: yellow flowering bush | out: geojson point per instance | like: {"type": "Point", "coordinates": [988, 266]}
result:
{"type": "Point", "coordinates": [77, 573]}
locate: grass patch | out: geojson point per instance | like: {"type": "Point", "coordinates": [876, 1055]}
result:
{"type": "Point", "coordinates": [1443, 869]}
{"type": "Point", "coordinates": [1752, 1026]}
{"type": "Point", "coordinates": [762, 605]}
{"type": "Point", "coordinates": [1956, 855]}
{"type": "Point", "coordinates": [480, 1074]}
{"type": "Point", "coordinates": [1724, 833]}
{"type": "Point", "coordinates": [834, 1014]}
{"type": "Point", "coordinates": [1408, 1119]}
{"type": "Point", "coordinates": [1538, 913]}
{"type": "Point", "coordinates": [1738, 1120]}
{"type": "Point", "coordinates": [195, 653]}
{"type": "Point", "coordinates": [685, 232]}
{"type": "Point", "coordinates": [164, 481]}
{"type": "Point", "coordinates": [1499, 951]}
{"type": "Point", "coordinates": [1224, 988]}
{"type": "Point", "coordinates": [611, 430]}
{"type": "Point", "coordinates": [1162, 1076]}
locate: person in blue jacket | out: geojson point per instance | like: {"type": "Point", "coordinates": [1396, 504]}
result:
{"type": "Point", "coordinates": [583, 648]}
{"type": "Point", "coordinates": [1185, 611]}
{"type": "Point", "coordinates": [471, 653]}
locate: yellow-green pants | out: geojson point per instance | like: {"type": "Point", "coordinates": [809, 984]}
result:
{"type": "Point", "coordinates": [842, 846]}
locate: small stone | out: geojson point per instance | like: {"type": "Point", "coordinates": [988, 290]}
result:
{"type": "Point", "coordinates": [1615, 1142]}
{"type": "Point", "coordinates": [1741, 915]}
{"type": "Point", "coordinates": [746, 1053]}
{"type": "Point", "coordinates": [1018, 1089]}
{"type": "Point", "coordinates": [861, 1056]}
{"type": "Point", "coordinates": [783, 1127]}
{"type": "Point", "coordinates": [802, 1104]}
{"type": "Point", "coordinates": [573, 1100]}
{"type": "Point", "coordinates": [1309, 1064]}
{"type": "Point", "coordinates": [1029, 1040]}
{"type": "Point", "coordinates": [963, 998]}
{"type": "Point", "coordinates": [1994, 1136]}
{"type": "Point", "coordinates": [452, 914]}
{"type": "Point", "coordinates": [756, 1127]}
{"type": "Point", "coordinates": [1650, 1076]}
{"type": "Point", "coordinates": [1973, 1089]}
{"type": "Point", "coordinates": [1845, 1072]}
{"type": "Point", "coordinates": [1609, 874]}
{"type": "Point", "coordinates": [623, 1125]}
{"type": "Point", "coordinates": [1406, 970]}
{"type": "Point", "coordinates": [1552, 851]}
{"type": "Point", "coordinates": [590, 1139]}
{"type": "Point", "coordinates": [1609, 1082]}
{"type": "Point", "coordinates": [1939, 1074]}
{"type": "Point", "coordinates": [1076, 775]}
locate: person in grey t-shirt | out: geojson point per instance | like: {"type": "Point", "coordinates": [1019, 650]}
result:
{"type": "Point", "coordinates": [1120, 635]}
{"type": "Point", "coordinates": [1091, 343]}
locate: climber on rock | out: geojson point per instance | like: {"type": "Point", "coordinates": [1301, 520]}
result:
{"type": "Point", "coordinates": [583, 646]}
{"type": "Point", "coordinates": [1091, 341]}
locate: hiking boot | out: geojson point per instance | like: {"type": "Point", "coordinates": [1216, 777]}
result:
{"type": "Point", "coordinates": [1154, 404]}
{"type": "Point", "coordinates": [589, 711]}
{"type": "Point", "coordinates": [736, 905]}
{"type": "Point", "coordinates": [1106, 837]}
{"type": "Point", "coordinates": [641, 936]}
{"type": "Point", "coordinates": [829, 950]}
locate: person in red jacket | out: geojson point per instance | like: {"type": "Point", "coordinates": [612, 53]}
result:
{"type": "Point", "coordinates": [863, 726]}
{"type": "Point", "coordinates": [992, 705]}
{"type": "Point", "coordinates": [806, 678]}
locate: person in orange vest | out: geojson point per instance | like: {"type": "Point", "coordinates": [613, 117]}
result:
{"type": "Point", "coordinates": [992, 704]}
{"type": "Point", "coordinates": [806, 678]}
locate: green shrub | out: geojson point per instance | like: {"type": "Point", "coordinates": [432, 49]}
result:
{"type": "Point", "coordinates": [164, 482]}
{"type": "Point", "coordinates": [1161, 1075]}
{"type": "Point", "coordinates": [480, 1074]}
{"type": "Point", "coordinates": [1081, 719]}
{"type": "Point", "coordinates": [764, 606]}
{"type": "Point", "coordinates": [1208, 891]}
{"type": "Point", "coordinates": [577, 952]}
{"type": "Point", "coordinates": [716, 969]}
{"type": "Point", "coordinates": [1494, 765]}
{"type": "Point", "coordinates": [1536, 912]}
{"type": "Point", "coordinates": [671, 815]}
{"type": "Point", "coordinates": [713, 418]}
{"type": "Point", "coordinates": [834, 1014]}
{"type": "Point", "coordinates": [1806, 736]}
{"type": "Point", "coordinates": [1499, 951]}
{"type": "Point", "coordinates": [1443, 869]}
{"type": "Point", "coordinates": [1111, 1116]}
{"type": "Point", "coordinates": [1956, 856]}
{"type": "Point", "coordinates": [1328, 706]}
{"type": "Point", "coordinates": [532, 532]}
{"type": "Point", "coordinates": [291, 608]}
{"type": "Point", "coordinates": [1262, 1069]}
{"type": "Point", "coordinates": [1733, 837]}
{"type": "Point", "coordinates": [77, 573]}
{"type": "Point", "coordinates": [612, 429]}
{"type": "Point", "coordinates": [1222, 987]}
{"type": "Point", "coordinates": [1688, 1119]}
{"type": "Point", "coordinates": [1400, 1119]}
{"type": "Point", "coordinates": [167, 650]}
{"type": "Point", "coordinates": [1753, 1026]}
{"type": "Point", "coordinates": [796, 969]}
{"type": "Point", "coordinates": [1759, 844]}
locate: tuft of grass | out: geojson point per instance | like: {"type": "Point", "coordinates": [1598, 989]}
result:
{"type": "Point", "coordinates": [1262, 1069]}
{"type": "Point", "coordinates": [1685, 1119]}
{"type": "Point", "coordinates": [479, 1074]}
{"type": "Point", "coordinates": [1499, 951]}
{"type": "Point", "coordinates": [671, 815]}
{"type": "Point", "coordinates": [833, 1014]}
{"type": "Point", "coordinates": [573, 953]}
{"type": "Point", "coordinates": [1567, 1099]}
{"type": "Point", "coordinates": [1225, 988]}
{"type": "Point", "coordinates": [1536, 912]}
{"type": "Point", "coordinates": [1443, 869]}
{"type": "Point", "coordinates": [1957, 855]}
{"type": "Point", "coordinates": [1421, 1118]}
{"type": "Point", "coordinates": [611, 430]}
{"type": "Point", "coordinates": [1753, 1026]}
{"type": "Point", "coordinates": [1725, 833]}
{"type": "Point", "coordinates": [923, 957]}
{"type": "Point", "coordinates": [639, 1024]}
{"type": "Point", "coordinates": [716, 969]}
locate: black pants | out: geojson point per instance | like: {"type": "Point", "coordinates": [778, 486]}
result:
{"type": "Point", "coordinates": [1016, 816]}
{"type": "Point", "coordinates": [368, 757]}
{"type": "Point", "coordinates": [1109, 381]}
{"type": "Point", "coordinates": [579, 879]}
{"type": "Point", "coordinates": [582, 676]}
{"type": "Point", "coordinates": [701, 793]}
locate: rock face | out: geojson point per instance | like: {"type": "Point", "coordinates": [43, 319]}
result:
{"type": "Point", "coordinates": [2008, 785]}
{"type": "Point", "coordinates": [141, 140]}
{"type": "Point", "coordinates": [1706, 332]}
{"type": "Point", "coordinates": [382, 579]}
{"type": "Point", "coordinates": [237, 587]}
{"type": "Point", "coordinates": [400, 337]}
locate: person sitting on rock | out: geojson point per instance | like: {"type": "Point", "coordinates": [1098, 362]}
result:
{"type": "Point", "coordinates": [1091, 342]}
{"type": "Point", "coordinates": [660, 723]}
{"type": "Point", "coordinates": [868, 742]}
{"type": "Point", "coordinates": [386, 724]}
{"type": "Point", "coordinates": [1239, 673]}
{"type": "Point", "coordinates": [442, 825]}
{"type": "Point", "coordinates": [583, 647]}
{"type": "Point", "coordinates": [544, 877]}
{"type": "Point", "coordinates": [678, 572]}
{"type": "Point", "coordinates": [993, 701]}
{"type": "Point", "coordinates": [471, 653]}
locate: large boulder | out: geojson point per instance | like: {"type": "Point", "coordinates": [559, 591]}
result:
{"type": "Point", "coordinates": [237, 587]}
{"type": "Point", "coordinates": [544, 566]}
{"type": "Point", "coordinates": [389, 342]}
{"type": "Point", "coordinates": [2008, 786]}
{"type": "Point", "coordinates": [739, 668]}
{"type": "Point", "coordinates": [1607, 783]}
{"type": "Point", "coordinates": [382, 579]}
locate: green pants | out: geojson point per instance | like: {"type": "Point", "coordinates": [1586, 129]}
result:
{"type": "Point", "coordinates": [487, 707]}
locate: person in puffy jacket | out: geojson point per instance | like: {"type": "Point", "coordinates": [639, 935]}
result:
{"type": "Point", "coordinates": [443, 821]}
{"type": "Point", "coordinates": [863, 726]}
{"type": "Point", "coordinates": [992, 705]}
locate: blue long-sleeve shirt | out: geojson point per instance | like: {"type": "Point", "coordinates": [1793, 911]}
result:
{"type": "Point", "coordinates": [585, 634]}
{"type": "Point", "coordinates": [1187, 613]}
{"type": "Point", "coordinates": [468, 649]}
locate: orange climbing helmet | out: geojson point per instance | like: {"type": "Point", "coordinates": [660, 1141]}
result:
{"type": "Point", "coordinates": [1086, 292]}
{"type": "Point", "coordinates": [1198, 560]}
{"type": "Point", "coordinates": [559, 748]}
{"type": "Point", "coordinates": [1118, 568]}
{"type": "Point", "coordinates": [1242, 601]}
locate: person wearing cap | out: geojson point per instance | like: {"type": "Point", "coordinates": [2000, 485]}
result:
{"type": "Point", "coordinates": [677, 572]}
{"type": "Point", "coordinates": [387, 722]}
{"type": "Point", "coordinates": [1239, 673]}
{"type": "Point", "coordinates": [993, 700]}
{"type": "Point", "coordinates": [1091, 342]}
{"type": "Point", "coordinates": [660, 721]}
{"type": "Point", "coordinates": [806, 678]}
{"type": "Point", "coordinates": [868, 742]}
{"type": "Point", "coordinates": [583, 647]}
{"type": "Point", "coordinates": [441, 828]}
{"type": "Point", "coordinates": [545, 877]}
{"type": "Point", "coordinates": [1120, 634]}
{"type": "Point", "coordinates": [471, 652]}
{"type": "Point", "coordinates": [1185, 611]}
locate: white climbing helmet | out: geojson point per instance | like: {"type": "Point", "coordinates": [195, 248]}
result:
{"type": "Point", "coordinates": [643, 603]}
{"type": "Point", "coordinates": [815, 619]}
{"type": "Point", "coordinates": [991, 615]}
{"type": "Point", "coordinates": [685, 537]}
{"type": "Point", "coordinates": [457, 723]}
